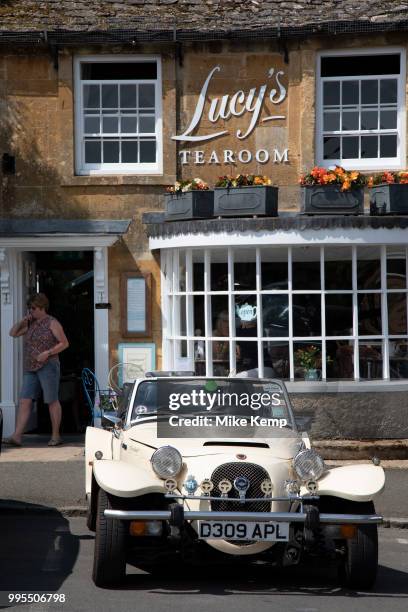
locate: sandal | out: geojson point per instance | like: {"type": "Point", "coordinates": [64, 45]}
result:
{"type": "Point", "coordinates": [55, 442]}
{"type": "Point", "coordinates": [12, 442]}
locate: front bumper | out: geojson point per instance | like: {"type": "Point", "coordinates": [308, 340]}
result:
{"type": "Point", "coordinates": [279, 517]}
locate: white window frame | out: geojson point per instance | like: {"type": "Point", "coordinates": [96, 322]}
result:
{"type": "Point", "coordinates": [393, 163]}
{"type": "Point", "coordinates": [171, 295]}
{"type": "Point", "coordinates": [81, 168]}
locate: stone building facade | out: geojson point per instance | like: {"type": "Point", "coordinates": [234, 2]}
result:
{"type": "Point", "coordinates": [103, 107]}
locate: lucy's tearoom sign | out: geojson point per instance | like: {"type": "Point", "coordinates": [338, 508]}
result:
{"type": "Point", "coordinates": [247, 106]}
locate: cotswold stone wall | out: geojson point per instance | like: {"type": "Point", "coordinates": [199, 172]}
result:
{"type": "Point", "coordinates": [365, 416]}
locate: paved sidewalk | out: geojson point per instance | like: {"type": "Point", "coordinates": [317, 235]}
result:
{"type": "Point", "coordinates": [35, 449]}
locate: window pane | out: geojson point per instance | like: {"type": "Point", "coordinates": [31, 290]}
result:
{"type": "Point", "coordinates": [110, 125]}
{"type": "Point", "coordinates": [246, 315]}
{"type": "Point", "coordinates": [369, 92]}
{"type": "Point", "coordinates": [118, 70]}
{"type": "Point", "coordinates": [181, 311]}
{"type": "Point", "coordinates": [396, 268]}
{"type": "Point", "coordinates": [339, 315]}
{"type": "Point", "coordinates": [92, 125]}
{"type": "Point", "coordinates": [109, 96]}
{"type": "Point", "coordinates": [182, 271]}
{"type": "Point", "coordinates": [350, 93]}
{"type": "Point", "coordinates": [276, 359]}
{"type": "Point", "coordinates": [388, 91]}
{"type": "Point", "coordinates": [369, 314]}
{"type": "Point", "coordinates": [369, 146]}
{"type": "Point", "coordinates": [198, 270]}
{"type": "Point", "coordinates": [128, 96]}
{"type": "Point", "coordinates": [368, 268]}
{"type": "Point", "coordinates": [111, 152]}
{"type": "Point", "coordinates": [397, 313]}
{"type": "Point", "coordinates": [274, 268]}
{"type": "Point", "coordinates": [340, 359]}
{"type": "Point", "coordinates": [331, 93]}
{"type": "Point", "coordinates": [331, 147]}
{"type": "Point", "coordinates": [369, 120]}
{"type": "Point", "coordinates": [219, 315]}
{"type": "Point", "coordinates": [128, 125]}
{"type": "Point", "coordinates": [147, 151]}
{"type": "Point", "coordinates": [247, 355]}
{"type": "Point", "coordinates": [146, 96]}
{"type": "Point", "coordinates": [91, 96]}
{"type": "Point", "coordinates": [92, 151]}
{"type": "Point", "coordinates": [370, 359]}
{"type": "Point", "coordinates": [244, 269]}
{"type": "Point", "coordinates": [306, 268]}
{"type": "Point", "coordinates": [147, 124]}
{"type": "Point", "coordinates": [198, 306]}
{"type": "Point", "coordinates": [220, 357]}
{"type": "Point", "coordinates": [275, 312]}
{"type": "Point", "coordinates": [350, 120]}
{"type": "Point", "coordinates": [388, 120]}
{"type": "Point", "coordinates": [129, 152]}
{"type": "Point", "coordinates": [307, 360]}
{"type": "Point", "coordinates": [331, 122]}
{"type": "Point", "coordinates": [337, 268]}
{"type": "Point", "coordinates": [350, 147]}
{"type": "Point", "coordinates": [398, 350]}
{"type": "Point", "coordinates": [219, 270]}
{"type": "Point", "coordinates": [306, 315]}
{"type": "Point", "coordinates": [388, 146]}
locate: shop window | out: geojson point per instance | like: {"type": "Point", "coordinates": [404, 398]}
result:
{"type": "Point", "coordinates": [361, 110]}
{"type": "Point", "coordinates": [118, 115]}
{"type": "Point", "coordinates": [352, 316]}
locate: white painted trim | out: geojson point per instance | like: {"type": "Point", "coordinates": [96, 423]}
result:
{"type": "Point", "coordinates": [101, 318]}
{"type": "Point", "coordinates": [8, 344]}
{"type": "Point", "coordinates": [60, 242]}
{"type": "Point", "coordinates": [396, 163]}
{"type": "Point", "coordinates": [338, 236]}
{"type": "Point", "coordinates": [367, 386]}
{"type": "Point", "coordinates": [83, 169]}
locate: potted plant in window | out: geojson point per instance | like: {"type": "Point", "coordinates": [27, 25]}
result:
{"type": "Point", "coordinates": [245, 194]}
{"type": "Point", "coordinates": [190, 199]}
{"type": "Point", "coordinates": [310, 360]}
{"type": "Point", "coordinates": [332, 191]}
{"type": "Point", "coordinates": [389, 193]}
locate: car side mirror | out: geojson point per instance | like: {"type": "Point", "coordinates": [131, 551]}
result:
{"type": "Point", "coordinates": [109, 419]}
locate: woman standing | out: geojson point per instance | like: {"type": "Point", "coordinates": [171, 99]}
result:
{"type": "Point", "coordinates": [44, 339]}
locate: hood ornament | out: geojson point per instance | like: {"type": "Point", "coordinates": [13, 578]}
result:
{"type": "Point", "coordinates": [242, 484]}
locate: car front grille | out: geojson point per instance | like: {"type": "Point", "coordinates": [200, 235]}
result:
{"type": "Point", "coordinates": [255, 474]}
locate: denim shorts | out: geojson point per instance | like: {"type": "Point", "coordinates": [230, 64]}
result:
{"type": "Point", "coordinates": [46, 378]}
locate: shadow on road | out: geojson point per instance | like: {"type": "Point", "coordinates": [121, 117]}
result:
{"type": "Point", "coordinates": [37, 551]}
{"type": "Point", "coordinates": [311, 579]}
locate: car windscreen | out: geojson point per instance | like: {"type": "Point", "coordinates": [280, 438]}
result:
{"type": "Point", "coordinates": [212, 407]}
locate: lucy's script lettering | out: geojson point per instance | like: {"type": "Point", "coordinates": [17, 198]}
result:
{"type": "Point", "coordinates": [236, 105]}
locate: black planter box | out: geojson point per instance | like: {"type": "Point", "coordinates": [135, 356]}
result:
{"type": "Point", "coordinates": [244, 201]}
{"type": "Point", "coordinates": [189, 205]}
{"type": "Point", "coordinates": [388, 199]}
{"type": "Point", "coordinates": [330, 200]}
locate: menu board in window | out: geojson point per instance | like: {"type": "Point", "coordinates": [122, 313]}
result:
{"type": "Point", "coordinates": [135, 305]}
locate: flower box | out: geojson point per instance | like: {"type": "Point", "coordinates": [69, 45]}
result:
{"type": "Point", "coordinates": [389, 199]}
{"type": "Point", "coordinates": [245, 201]}
{"type": "Point", "coordinates": [331, 200]}
{"type": "Point", "coordinates": [194, 204]}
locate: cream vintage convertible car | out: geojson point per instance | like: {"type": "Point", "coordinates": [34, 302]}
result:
{"type": "Point", "coordinates": [210, 468]}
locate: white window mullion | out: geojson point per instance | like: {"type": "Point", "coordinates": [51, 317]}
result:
{"type": "Point", "coordinates": [291, 357]}
{"type": "Point", "coordinates": [355, 313]}
{"type": "Point", "coordinates": [259, 317]}
{"type": "Point", "coordinates": [231, 314]}
{"type": "Point", "coordinates": [323, 313]}
{"type": "Point", "coordinates": [207, 313]}
{"type": "Point", "coordinates": [384, 314]}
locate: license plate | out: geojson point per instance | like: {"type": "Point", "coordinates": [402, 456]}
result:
{"type": "Point", "coordinates": [234, 530]}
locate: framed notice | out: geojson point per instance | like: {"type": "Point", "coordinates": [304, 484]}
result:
{"type": "Point", "coordinates": [136, 359]}
{"type": "Point", "coordinates": [135, 305]}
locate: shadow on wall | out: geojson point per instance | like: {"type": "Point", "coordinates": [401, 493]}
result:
{"type": "Point", "coordinates": [34, 189]}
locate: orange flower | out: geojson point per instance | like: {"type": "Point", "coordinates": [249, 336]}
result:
{"type": "Point", "coordinates": [346, 185]}
{"type": "Point", "coordinates": [370, 182]}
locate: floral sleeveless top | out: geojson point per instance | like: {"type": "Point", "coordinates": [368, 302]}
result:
{"type": "Point", "coordinates": [38, 338]}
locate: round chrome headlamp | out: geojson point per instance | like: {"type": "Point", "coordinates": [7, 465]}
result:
{"type": "Point", "coordinates": [166, 462]}
{"type": "Point", "coordinates": [308, 464]}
